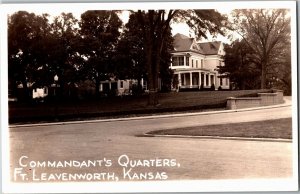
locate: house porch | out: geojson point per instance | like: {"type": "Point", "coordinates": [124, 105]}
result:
{"type": "Point", "coordinates": [194, 79]}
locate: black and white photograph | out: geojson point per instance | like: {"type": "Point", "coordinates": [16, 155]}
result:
{"type": "Point", "coordinates": [149, 97]}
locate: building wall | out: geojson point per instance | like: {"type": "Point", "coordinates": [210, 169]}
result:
{"type": "Point", "coordinates": [211, 62]}
{"type": "Point", "coordinates": [40, 92]}
{"type": "Point", "coordinates": [195, 60]}
{"type": "Point", "coordinates": [124, 86]}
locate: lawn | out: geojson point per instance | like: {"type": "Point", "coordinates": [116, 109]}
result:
{"type": "Point", "coordinates": [279, 128]}
{"type": "Point", "coordinates": [121, 106]}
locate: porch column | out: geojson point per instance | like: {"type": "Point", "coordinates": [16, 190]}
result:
{"type": "Point", "coordinates": [199, 79]}
{"type": "Point", "coordinates": [209, 79]}
{"type": "Point", "coordinates": [184, 60]}
{"type": "Point", "coordinates": [204, 76]}
{"type": "Point", "coordinates": [215, 80]}
{"type": "Point", "coordinates": [191, 79]}
{"type": "Point", "coordinates": [184, 79]}
{"type": "Point", "coordinates": [179, 80]}
{"type": "Point", "coordinates": [109, 85]}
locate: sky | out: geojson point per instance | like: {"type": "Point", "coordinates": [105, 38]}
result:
{"type": "Point", "coordinates": [78, 8]}
{"type": "Point", "coordinates": [176, 27]}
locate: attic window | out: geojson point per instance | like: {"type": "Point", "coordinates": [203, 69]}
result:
{"type": "Point", "coordinates": [195, 46]}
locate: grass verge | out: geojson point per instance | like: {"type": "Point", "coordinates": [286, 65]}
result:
{"type": "Point", "coordinates": [279, 128]}
{"type": "Point", "coordinates": [65, 110]}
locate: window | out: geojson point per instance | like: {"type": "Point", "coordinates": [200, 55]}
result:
{"type": "Point", "coordinates": [196, 63]}
{"type": "Point", "coordinates": [227, 81]}
{"type": "Point", "coordinates": [201, 63]}
{"type": "Point", "coordinates": [121, 84]}
{"type": "Point", "coordinates": [196, 47]}
{"type": "Point", "coordinates": [178, 61]}
{"type": "Point", "coordinates": [192, 62]}
{"type": "Point", "coordinates": [221, 81]}
{"type": "Point", "coordinates": [187, 61]}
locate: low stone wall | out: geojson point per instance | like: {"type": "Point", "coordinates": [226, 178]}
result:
{"type": "Point", "coordinates": [263, 99]}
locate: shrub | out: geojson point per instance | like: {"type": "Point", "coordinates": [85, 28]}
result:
{"type": "Point", "coordinates": [202, 86]}
{"type": "Point", "coordinates": [212, 87]}
{"type": "Point", "coordinates": [137, 89]}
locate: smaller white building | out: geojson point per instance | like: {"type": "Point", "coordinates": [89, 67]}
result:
{"type": "Point", "coordinates": [121, 87]}
{"type": "Point", "coordinates": [39, 92]}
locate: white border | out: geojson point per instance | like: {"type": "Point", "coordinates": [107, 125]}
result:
{"type": "Point", "coordinates": [165, 186]}
{"type": "Point", "coordinates": [149, 5]}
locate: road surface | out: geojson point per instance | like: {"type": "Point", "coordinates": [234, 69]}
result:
{"type": "Point", "coordinates": [196, 159]}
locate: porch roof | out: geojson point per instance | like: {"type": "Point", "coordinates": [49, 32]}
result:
{"type": "Point", "coordinates": [193, 70]}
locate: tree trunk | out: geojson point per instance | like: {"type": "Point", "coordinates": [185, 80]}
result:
{"type": "Point", "coordinates": [139, 86]}
{"type": "Point", "coordinates": [97, 87]}
{"type": "Point", "coordinates": [25, 90]}
{"type": "Point", "coordinates": [13, 88]}
{"type": "Point", "coordinates": [61, 88]}
{"type": "Point", "coordinates": [154, 29]}
{"type": "Point", "coordinates": [152, 99]}
{"type": "Point", "coordinates": [263, 83]}
{"type": "Point", "coordinates": [243, 87]}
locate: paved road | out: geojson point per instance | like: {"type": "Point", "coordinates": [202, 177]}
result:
{"type": "Point", "coordinates": [196, 158]}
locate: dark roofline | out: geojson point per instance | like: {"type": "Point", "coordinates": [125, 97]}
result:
{"type": "Point", "coordinates": [194, 52]}
{"type": "Point", "coordinates": [181, 35]}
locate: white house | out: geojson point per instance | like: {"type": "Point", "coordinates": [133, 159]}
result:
{"type": "Point", "coordinates": [195, 64]}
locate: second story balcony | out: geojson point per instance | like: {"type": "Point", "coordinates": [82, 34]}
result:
{"type": "Point", "coordinates": [180, 61]}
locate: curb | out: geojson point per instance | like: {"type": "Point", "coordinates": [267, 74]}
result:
{"type": "Point", "coordinates": [222, 138]}
{"type": "Point", "coordinates": [152, 117]}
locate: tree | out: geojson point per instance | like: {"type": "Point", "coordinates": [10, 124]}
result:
{"type": "Point", "coordinates": [27, 35]}
{"type": "Point", "coordinates": [131, 54]}
{"type": "Point", "coordinates": [64, 60]}
{"type": "Point", "coordinates": [280, 74]}
{"type": "Point", "coordinates": [239, 65]}
{"type": "Point", "coordinates": [267, 33]}
{"type": "Point", "coordinates": [155, 26]}
{"type": "Point", "coordinates": [100, 33]}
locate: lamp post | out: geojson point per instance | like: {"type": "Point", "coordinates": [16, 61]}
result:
{"type": "Point", "coordinates": [55, 97]}
{"type": "Point", "coordinates": [55, 84]}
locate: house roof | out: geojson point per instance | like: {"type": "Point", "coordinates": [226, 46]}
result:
{"type": "Point", "coordinates": [184, 43]}
{"type": "Point", "coordinates": [210, 48]}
